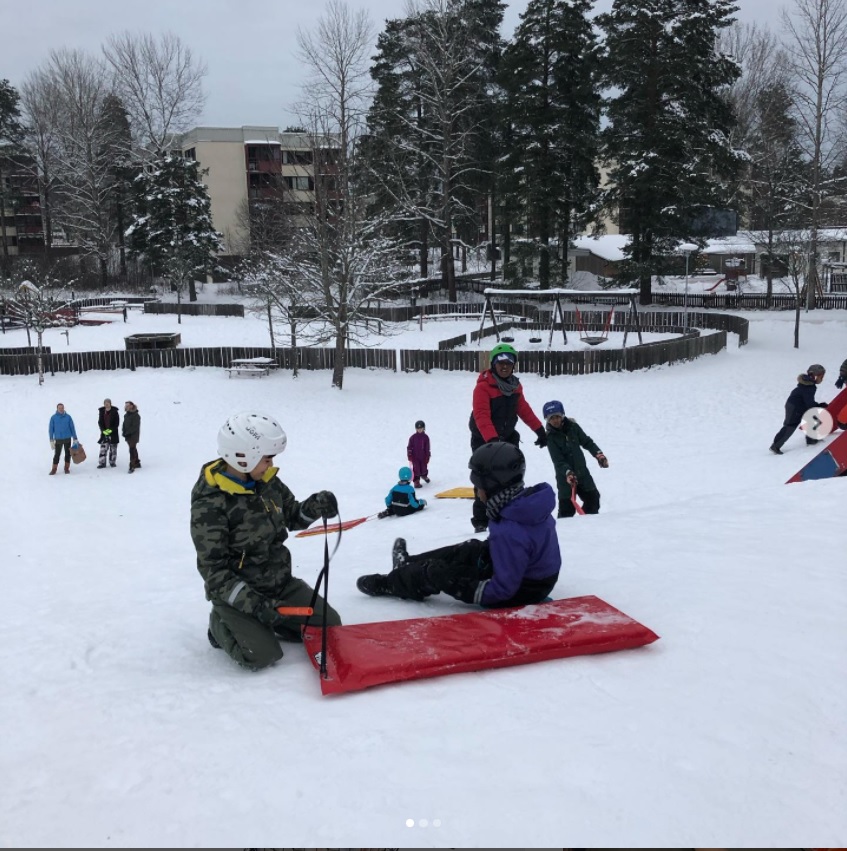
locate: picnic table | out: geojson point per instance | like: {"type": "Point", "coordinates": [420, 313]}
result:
{"type": "Point", "coordinates": [251, 366]}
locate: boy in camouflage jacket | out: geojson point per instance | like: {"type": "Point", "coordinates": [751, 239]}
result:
{"type": "Point", "coordinates": [240, 517]}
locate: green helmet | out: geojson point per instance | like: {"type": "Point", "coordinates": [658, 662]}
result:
{"type": "Point", "coordinates": [503, 351]}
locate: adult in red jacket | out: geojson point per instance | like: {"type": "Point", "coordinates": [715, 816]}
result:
{"type": "Point", "coordinates": [498, 403]}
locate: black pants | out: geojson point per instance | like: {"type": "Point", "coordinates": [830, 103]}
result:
{"type": "Point", "coordinates": [590, 501]}
{"type": "Point", "coordinates": [457, 570]}
{"type": "Point", "coordinates": [64, 443]}
{"type": "Point", "coordinates": [792, 421]}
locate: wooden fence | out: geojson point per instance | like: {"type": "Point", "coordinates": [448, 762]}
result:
{"type": "Point", "coordinates": [194, 309]}
{"type": "Point", "coordinates": [687, 346]}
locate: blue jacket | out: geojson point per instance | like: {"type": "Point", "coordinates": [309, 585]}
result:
{"type": "Point", "coordinates": [402, 495]}
{"type": "Point", "coordinates": [801, 398]}
{"type": "Point", "coordinates": [62, 426]}
{"type": "Point", "coordinates": [522, 544]}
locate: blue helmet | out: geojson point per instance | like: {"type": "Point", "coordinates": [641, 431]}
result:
{"type": "Point", "coordinates": [404, 474]}
{"type": "Point", "coordinates": [552, 408]}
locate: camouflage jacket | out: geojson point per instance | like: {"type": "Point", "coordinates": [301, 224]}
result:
{"type": "Point", "coordinates": [239, 535]}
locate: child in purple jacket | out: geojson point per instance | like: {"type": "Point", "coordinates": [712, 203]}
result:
{"type": "Point", "coordinates": [417, 452]}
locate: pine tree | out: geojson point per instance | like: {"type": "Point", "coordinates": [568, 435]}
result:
{"type": "Point", "coordinates": [667, 142]}
{"type": "Point", "coordinates": [172, 224]}
{"type": "Point", "coordinates": [553, 110]}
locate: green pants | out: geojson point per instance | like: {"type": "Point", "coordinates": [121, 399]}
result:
{"type": "Point", "coordinates": [254, 644]}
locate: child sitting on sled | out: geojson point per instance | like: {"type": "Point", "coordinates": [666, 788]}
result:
{"type": "Point", "coordinates": [401, 499]}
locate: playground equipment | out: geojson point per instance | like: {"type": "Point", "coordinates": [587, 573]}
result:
{"type": "Point", "coordinates": [735, 271]}
{"type": "Point", "coordinates": [557, 296]}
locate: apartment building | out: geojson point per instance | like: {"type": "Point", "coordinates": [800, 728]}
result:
{"type": "Point", "coordinates": [247, 165]}
{"type": "Point", "coordinates": [21, 227]}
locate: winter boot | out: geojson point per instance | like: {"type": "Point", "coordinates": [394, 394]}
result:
{"type": "Point", "coordinates": [426, 479]}
{"type": "Point", "coordinates": [399, 553]}
{"type": "Point", "coordinates": [776, 450]}
{"type": "Point", "coordinates": [212, 640]}
{"type": "Point", "coordinates": [374, 585]}
{"type": "Point", "coordinates": [67, 466]}
{"type": "Point", "coordinates": [131, 467]}
{"type": "Point", "coordinates": [416, 483]}
{"type": "Point", "coordinates": [53, 469]}
{"type": "Point", "coordinates": [383, 514]}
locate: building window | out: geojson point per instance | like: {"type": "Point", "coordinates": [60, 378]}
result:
{"type": "Point", "coordinates": [297, 157]}
{"type": "Point", "coordinates": [190, 154]}
{"type": "Point", "coordinates": [300, 184]}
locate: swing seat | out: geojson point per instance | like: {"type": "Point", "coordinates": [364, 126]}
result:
{"type": "Point", "coordinates": [594, 341]}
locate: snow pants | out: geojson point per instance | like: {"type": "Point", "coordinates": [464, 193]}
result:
{"type": "Point", "coordinates": [590, 501]}
{"type": "Point", "coordinates": [793, 418]}
{"type": "Point", "coordinates": [457, 570]}
{"type": "Point", "coordinates": [255, 644]}
{"type": "Point", "coordinates": [112, 450]}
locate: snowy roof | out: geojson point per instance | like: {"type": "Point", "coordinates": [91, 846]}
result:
{"type": "Point", "coordinates": [738, 244]}
{"type": "Point", "coordinates": [262, 142]}
{"type": "Point", "coordinates": [609, 247]}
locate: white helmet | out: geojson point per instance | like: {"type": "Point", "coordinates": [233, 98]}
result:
{"type": "Point", "coordinates": [246, 438]}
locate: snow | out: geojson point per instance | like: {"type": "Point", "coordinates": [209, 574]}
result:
{"type": "Point", "coordinates": [123, 727]}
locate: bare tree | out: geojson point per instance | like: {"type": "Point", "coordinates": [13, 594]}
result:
{"type": "Point", "coordinates": [86, 150]}
{"type": "Point", "coordinates": [816, 41]}
{"type": "Point", "coordinates": [160, 84]}
{"type": "Point", "coordinates": [340, 252]}
{"type": "Point", "coordinates": [41, 100]}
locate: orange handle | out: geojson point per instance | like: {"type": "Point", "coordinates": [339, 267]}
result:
{"type": "Point", "coordinates": [293, 611]}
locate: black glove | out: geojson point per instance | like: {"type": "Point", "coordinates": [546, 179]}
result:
{"type": "Point", "coordinates": [839, 382]}
{"type": "Point", "coordinates": [541, 442]}
{"type": "Point", "coordinates": [325, 503]}
{"type": "Point", "coordinates": [823, 404]}
{"type": "Point", "coordinates": [602, 460]}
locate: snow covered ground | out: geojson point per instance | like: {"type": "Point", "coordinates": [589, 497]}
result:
{"type": "Point", "coordinates": [123, 727]}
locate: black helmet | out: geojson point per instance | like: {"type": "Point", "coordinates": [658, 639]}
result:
{"type": "Point", "coordinates": [420, 424]}
{"type": "Point", "coordinates": [497, 465]}
{"type": "Point", "coordinates": [816, 369]}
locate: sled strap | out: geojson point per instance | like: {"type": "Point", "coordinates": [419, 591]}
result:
{"type": "Point", "coordinates": [323, 577]}
{"type": "Point", "coordinates": [576, 505]}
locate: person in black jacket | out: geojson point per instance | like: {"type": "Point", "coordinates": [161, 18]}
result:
{"type": "Point", "coordinates": [801, 398]}
{"type": "Point", "coordinates": [842, 375]}
{"type": "Point", "coordinates": [108, 421]}
{"type": "Point", "coordinates": [131, 431]}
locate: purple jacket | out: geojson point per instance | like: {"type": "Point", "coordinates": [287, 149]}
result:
{"type": "Point", "coordinates": [418, 448]}
{"type": "Point", "coordinates": [523, 544]}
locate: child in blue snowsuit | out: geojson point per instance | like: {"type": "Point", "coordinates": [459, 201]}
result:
{"type": "Point", "coordinates": [401, 499]}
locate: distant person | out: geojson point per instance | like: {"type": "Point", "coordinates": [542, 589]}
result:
{"type": "Point", "coordinates": [842, 376]}
{"type": "Point", "coordinates": [62, 431]}
{"type": "Point", "coordinates": [565, 442]}
{"type": "Point", "coordinates": [108, 421]}
{"type": "Point", "coordinates": [131, 431]}
{"type": "Point", "coordinates": [240, 517]}
{"type": "Point", "coordinates": [801, 398]}
{"type": "Point", "coordinates": [401, 499]}
{"type": "Point", "coordinates": [498, 403]}
{"type": "Point", "coordinates": [517, 565]}
{"type": "Point", "coordinates": [417, 453]}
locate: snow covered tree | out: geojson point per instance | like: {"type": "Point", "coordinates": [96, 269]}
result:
{"type": "Point", "coordinates": [666, 143]}
{"type": "Point", "coordinates": [343, 252]}
{"type": "Point", "coordinates": [433, 108]}
{"type": "Point", "coordinates": [553, 108]}
{"type": "Point", "coordinates": [172, 222]}
{"type": "Point", "coordinates": [11, 140]}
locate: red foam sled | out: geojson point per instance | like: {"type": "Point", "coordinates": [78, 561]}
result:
{"type": "Point", "coordinates": [372, 654]}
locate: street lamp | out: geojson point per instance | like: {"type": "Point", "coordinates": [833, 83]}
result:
{"type": "Point", "coordinates": [687, 248]}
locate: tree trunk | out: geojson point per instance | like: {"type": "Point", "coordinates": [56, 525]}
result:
{"type": "Point", "coordinates": [424, 249]}
{"type": "Point", "coordinates": [544, 255]}
{"type": "Point", "coordinates": [192, 289]}
{"type": "Point", "coordinates": [340, 360]}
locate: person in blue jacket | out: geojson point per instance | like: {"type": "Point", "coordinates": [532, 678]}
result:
{"type": "Point", "coordinates": [801, 398]}
{"type": "Point", "coordinates": [62, 431]}
{"type": "Point", "coordinates": [517, 565]}
{"type": "Point", "coordinates": [401, 499]}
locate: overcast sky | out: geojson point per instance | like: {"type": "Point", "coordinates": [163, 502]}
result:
{"type": "Point", "coordinates": [248, 47]}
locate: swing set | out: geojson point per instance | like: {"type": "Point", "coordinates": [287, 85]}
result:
{"type": "Point", "coordinates": [587, 335]}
